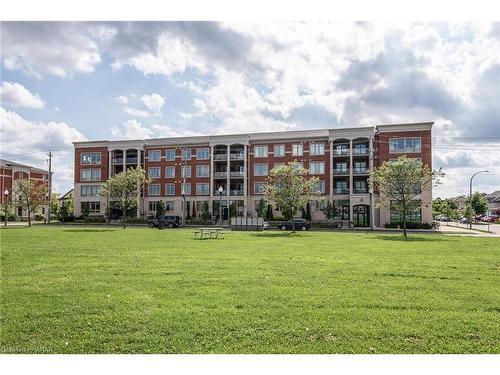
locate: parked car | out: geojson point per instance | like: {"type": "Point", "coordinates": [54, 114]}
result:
{"type": "Point", "coordinates": [442, 218]}
{"type": "Point", "coordinates": [301, 224]}
{"type": "Point", "coordinates": [491, 218]}
{"type": "Point", "coordinates": [465, 220]}
{"type": "Point", "coordinates": [165, 221]}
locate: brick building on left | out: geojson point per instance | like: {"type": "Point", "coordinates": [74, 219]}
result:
{"type": "Point", "coordinates": [10, 175]}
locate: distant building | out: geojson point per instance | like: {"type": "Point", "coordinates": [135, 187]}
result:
{"type": "Point", "coordinates": [494, 201]}
{"type": "Point", "coordinates": [66, 197]}
{"type": "Point", "coordinates": [239, 164]}
{"type": "Point", "coordinates": [13, 172]}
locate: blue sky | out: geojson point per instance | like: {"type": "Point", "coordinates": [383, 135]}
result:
{"type": "Point", "coordinates": [70, 81]}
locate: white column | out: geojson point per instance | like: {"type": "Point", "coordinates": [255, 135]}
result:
{"type": "Point", "coordinates": [351, 188]}
{"type": "Point", "coordinates": [211, 174]}
{"type": "Point", "coordinates": [124, 160]}
{"type": "Point", "coordinates": [331, 170]}
{"type": "Point", "coordinates": [245, 181]}
{"type": "Point", "coordinates": [138, 214]}
{"type": "Point", "coordinates": [372, 199]}
{"type": "Point", "coordinates": [228, 168]}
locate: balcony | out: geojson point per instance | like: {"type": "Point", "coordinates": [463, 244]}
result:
{"type": "Point", "coordinates": [237, 156]}
{"type": "Point", "coordinates": [361, 171]}
{"type": "Point", "coordinates": [236, 192]}
{"type": "Point", "coordinates": [132, 160]}
{"type": "Point", "coordinates": [237, 173]}
{"type": "Point", "coordinates": [343, 152]}
{"type": "Point", "coordinates": [338, 172]}
{"type": "Point", "coordinates": [220, 174]}
{"type": "Point", "coordinates": [115, 161]}
{"type": "Point", "coordinates": [341, 191]}
{"type": "Point", "coordinates": [360, 151]}
{"type": "Point", "coordinates": [361, 191]}
{"type": "Point", "coordinates": [220, 157]}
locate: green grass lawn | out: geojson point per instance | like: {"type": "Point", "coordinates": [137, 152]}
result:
{"type": "Point", "coordinates": [71, 289]}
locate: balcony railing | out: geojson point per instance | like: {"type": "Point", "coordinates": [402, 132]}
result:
{"type": "Point", "coordinates": [341, 191]}
{"type": "Point", "coordinates": [117, 161]}
{"type": "Point", "coordinates": [132, 160]}
{"type": "Point", "coordinates": [360, 170]}
{"type": "Point", "coordinates": [360, 151]}
{"type": "Point", "coordinates": [220, 156]}
{"type": "Point", "coordinates": [341, 171]}
{"type": "Point", "coordinates": [361, 191]}
{"type": "Point", "coordinates": [237, 173]}
{"type": "Point", "coordinates": [237, 156]}
{"type": "Point", "coordinates": [341, 152]}
{"type": "Point", "coordinates": [236, 192]}
{"type": "Point", "coordinates": [220, 174]}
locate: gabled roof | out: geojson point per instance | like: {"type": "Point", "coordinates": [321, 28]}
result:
{"type": "Point", "coordinates": [9, 163]}
{"type": "Point", "coordinates": [67, 195]}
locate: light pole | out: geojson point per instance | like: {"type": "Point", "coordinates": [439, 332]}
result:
{"type": "Point", "coordinates": [470, 196]}
{"type": "Point", "coordinates": [183, 193]}
{"type": "Point", "coordinates": [220, 204]}
{"type": "Point", "coordinates": [5, 195]}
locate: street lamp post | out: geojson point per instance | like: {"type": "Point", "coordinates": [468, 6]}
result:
{"type": "Point", "coordinates": [5, 195]}
{"type": "Point", "coordinates": [183, 193]}
{"type": "Point", "coordinates": [470, 196]}
{"type": "Point", "coordinates": [220, 204]}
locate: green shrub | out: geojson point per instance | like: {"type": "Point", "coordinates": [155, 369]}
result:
{"type": "Point", "coordinates": [409, 225]}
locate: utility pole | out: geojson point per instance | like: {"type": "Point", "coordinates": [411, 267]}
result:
{"type": "Point", "coordinates": [50, 187]}
{"type": "Point", "coordinates": [470, 197]}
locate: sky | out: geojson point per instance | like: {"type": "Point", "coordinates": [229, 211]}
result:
{"type": "Point", "coordinates": [71, 81]}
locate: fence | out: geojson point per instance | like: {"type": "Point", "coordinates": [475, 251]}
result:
{"type": "Point", "coordinates": [247, 223]}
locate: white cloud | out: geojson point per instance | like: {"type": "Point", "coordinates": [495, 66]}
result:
{"type": "Point", "coordinates": [28, 142]}
{"type": "Point", "coordinates": [133, 129]}
{"type": "Point", "coordinates": [17, 95]}
{"type": "Point", "coordinates": [121, 99]}
{"type": "Point", "coordinates": [136, 112]}
{"type": "Point", "coordinates": [154, 102]}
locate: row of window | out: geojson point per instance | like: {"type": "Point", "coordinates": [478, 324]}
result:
{"type": "Point", "coordinates": [404, 145]}
{"type": "Point", "coordinates": [315, 167]}
{"type": "Point", "coordinates": [201, 171]}
{"type": "Point", "coordinates": [201, 189]}
{"type": "Point", "coordinates": [297, 150]}
{"type": "Point", "coordinates": [260, 187]}
{"type": "Point", "coordinates": [186, 154]}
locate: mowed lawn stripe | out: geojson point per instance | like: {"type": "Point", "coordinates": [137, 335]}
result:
{"type": "Point", "coordinates": [68, 289]}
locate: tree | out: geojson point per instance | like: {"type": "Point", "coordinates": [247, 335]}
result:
{"type": "Point", "coordinates": [269, 213]}
{"type": "Point", "coordinates": [65, 211]}
{"type": "Point", "coordinates": [449, 209]}
{"type": "Point", "coordinates": [194, 210]}
{"type": "Point", "coordinates": [205, 213]}
{"type": "Point", "coordinates": [31, 195]}
{"type": "Point", "coordinates": [261, 207]}
{"type": "Point", "coordinates": [330, 211]}
{"type": "Point", "coordinates": [160, 209]}
{"type": "Point", "coordinates": [308, 211]}
{"type": "Point", "coordinates": [400, 182]}
{"type": "Point", "coordinates": [124, 189]}
{"type": "Point", "coordinates": [303, 213]}
{"type": "Point", "coordinates": [290, 187]}
{"type": "Point", "coordinates": [478, 203]}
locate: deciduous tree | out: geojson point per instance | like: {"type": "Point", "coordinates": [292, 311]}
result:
{"type": "Point", "coordinates": [31, 195]}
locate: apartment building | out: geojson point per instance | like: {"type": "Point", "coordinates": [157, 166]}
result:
{"type": "Point", "coordinates": [13, 172]}
{"type": "Point", "coordinates": [194, 168]}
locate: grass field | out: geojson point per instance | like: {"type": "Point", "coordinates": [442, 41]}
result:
{"type": "Point", "coordinates": [106, 290]}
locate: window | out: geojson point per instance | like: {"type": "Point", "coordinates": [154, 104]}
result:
{"type": "Point", "coordinates": [403, 145]}
{"type": "Point", "coordinates": [317, 167]}
{"type": "Point", "coordinates": [360, 167]}
{"type": "Point", "coordinates": [319, 205]}
{"type": "Point", "coordinates": [317, 149]}
{"type": "Point", "coordinates": [319, 187]}
{"type": "Point", "coordinates": [90, 158]}
{"type": "Point", "coordinates": [277, 165]}
{"type": "Point", "coordinates": [260, 151]}
{"type": "Point", "coordinates": [342, 149]}
{"type": "Point", "coordinates": [260, 187]}
{"type": "Point", "coordinates": [154, 189]}
{"type": "Point", "coordinates": [169, 189]}
{"type": "Point", "coordinates": [341, 167]}
{"type": "Point", "coordinates": [413, 217]}
{"type": "Point", "coordinates": [154, 172]}
{"type": "Point", "coordinates": [260, 169]}
{"type": "Point", "coordinates": [202, 189]}
{"type": "Point", "coordinates": [300, 165]}
{"type": "Point", "coordinates": [186, 154]}
{"type": "Point", "coordinates": [91, 207]}
{"type": "Point", "coordinates": [202, 171]}
{"type": "Point", "coordinates": [152, 206]}
{"type": "Point", "coordinates": [170, 155]}
{"type": "Point", "coordinates": [170, 172]}
{"type": "Point", "coordinates": [89, 190]}
{"type": "Point", "coordinates": [186, 188]}
{"type": "Point", "coordinates": [169, 206]}
{"type": "Point", "coordinates": [360, 187]}
{"type": "Point", "coordinates": [279, 151]}
{"type": "Point", "coordinates": [186, 172]}
{"type": "Point", "coordinates": [341, 187]}
{"type": "Point", "coordinates": [202, 154]}
{"type": "Point", "coordinates": [154, 155]}
{"type": "Point", "coordinates": [298, 149]}
{"type": "Point", "coordinates": [90, 174]}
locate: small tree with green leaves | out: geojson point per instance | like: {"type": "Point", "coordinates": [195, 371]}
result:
{"type": "Point", "coordinates": [205, 213]}
{"type": "Point", "coordinates": [290, 187]}
{"type": "Point", "coordinates": [261, 208]}
{"type": "Point", "coordinates": [400, 183]}
{"type": "Point", "coordinates": [65, 211]}
{"type": "Point", "coordinates": [160, 209]}
{"type": "Point", "coordinates": [269, 213]}
{"type": "Point", "coordinates": [123, 188]}
{"type": "Point", "coordinates": [330, 211]}
{"type": "Point", "coordinates": [31, 195]}
{"type": "Point", "coordinates": [478, 203]}
{"type": "Point", "coordinates": [194, 211]}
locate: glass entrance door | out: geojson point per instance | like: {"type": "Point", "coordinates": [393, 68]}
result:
{"type": "Point", "coordinates": [361, 216]}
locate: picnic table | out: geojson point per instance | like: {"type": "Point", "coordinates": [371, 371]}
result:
{"type": "Point", "coordinates": [208, 233]}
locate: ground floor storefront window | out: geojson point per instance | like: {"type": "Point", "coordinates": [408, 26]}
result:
{"type": "Point", "coordinates": [413, 217]}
